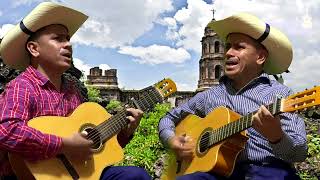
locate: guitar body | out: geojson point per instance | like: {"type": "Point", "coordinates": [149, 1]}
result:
{"type": "Point", "coordinates": [87, 114]}
{"type": "Point", "coordinates": [220, 158]}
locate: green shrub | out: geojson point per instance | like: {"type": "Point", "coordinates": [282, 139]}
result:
{"type": "Point", "coordinates": [310, 168]}
{"type": "Point", "coordinates": [93, 94]}
{"type": "Point", "coordinates": [113, 105]}
{"type": "Point", "coordinates": [145, 148]}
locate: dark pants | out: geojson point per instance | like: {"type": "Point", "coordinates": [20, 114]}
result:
{"type": "Point", "coordinates": [124, 173]}
{"type": "Point", "coordinates": [8, 178]}
{"type": "Point", "coordinates": [114, 173]}
{"type": "Point", "coordinates": [251, 171]}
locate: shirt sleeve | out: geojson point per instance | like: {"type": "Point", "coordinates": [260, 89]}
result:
{"type": "Point", "coordinates": [168, 123]}
{"type": "Point", "coordinates": [16, 104]}
{"type": "Point", "coordinates": [293, 145]}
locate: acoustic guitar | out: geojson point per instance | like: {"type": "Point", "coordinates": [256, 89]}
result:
{"type": "Point", "coordinates": [220, 136]}
{"type": "Point", "coordinates": [102, 129]}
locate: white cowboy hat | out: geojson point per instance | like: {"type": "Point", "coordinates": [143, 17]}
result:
{"type": "Point", "coordinates": [12, 47]}
{"type": "Point", "coordinates": [277, 44]}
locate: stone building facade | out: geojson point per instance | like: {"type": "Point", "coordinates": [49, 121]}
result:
{"type": "Point", "coordinates": [211, 63]}
{"type": "Point", "coordinates": [211, 68]}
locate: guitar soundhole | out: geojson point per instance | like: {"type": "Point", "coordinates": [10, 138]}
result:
{"type": "Point", "coordinates": [94, 135]}
{"type": "Point", "coordinates": [204, 142]}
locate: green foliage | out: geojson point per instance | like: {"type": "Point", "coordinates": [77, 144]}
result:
{"type": "Point", "coordinates": [113, 105]}
{"type": "Point", "coordinates": [93, 94]}
{"type": "Point", "coordinates": [310, 168]}
{"type": "Point", "coordinates": [145, 148]}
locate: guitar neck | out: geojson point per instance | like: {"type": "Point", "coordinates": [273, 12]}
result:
{"type": "Point", "coordinates": [112, 126]}
{"type": "Point", "coordinates": [241, 124]}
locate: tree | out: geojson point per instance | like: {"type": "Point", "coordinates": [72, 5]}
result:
{"type": "Point", "coordinates": [93, 94]}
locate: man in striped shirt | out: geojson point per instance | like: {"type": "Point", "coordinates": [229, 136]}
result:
{"type": "Point", "coordinates": [41, 46]}
{"type": "Point", "coordinates": [253, 50]}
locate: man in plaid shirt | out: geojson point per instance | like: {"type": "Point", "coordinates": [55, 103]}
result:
{"type": "Point", "coordinates": [40, 45]}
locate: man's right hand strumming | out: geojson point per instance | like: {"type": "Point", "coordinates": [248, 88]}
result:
{"type": "Point", "coordinates": [183, 146]}
{"type": "Point", "coordinates": [77, 146]}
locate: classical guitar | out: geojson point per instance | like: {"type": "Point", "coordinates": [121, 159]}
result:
{"type": "Point", "coordinates": [220, 136]}
{"type": "Point", "coordinates": [102, 129]}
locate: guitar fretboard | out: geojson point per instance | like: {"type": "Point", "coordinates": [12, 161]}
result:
{"type": "Point", "coordinates": [239, 125]}
{"type": "Point", "coordinates": [148, 98]}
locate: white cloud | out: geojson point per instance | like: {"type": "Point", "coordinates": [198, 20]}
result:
{"type": "Point", "coordinates": [85, 68]}
{"type": "Point", "coordinates": [156, 54]}
{"type": "Point", "coordinates": [17, 3]}
{"type": "Point", "coordinates": [185, 86]}
{"type": "Point", "coordinates": [4, 29]}
{"type": "Point", "coordinates": [299, 20]}
{"type": "Point", "coordinates": [305, 73]}
{"type": "Point", "coordinates": [187, 25]}
{"type": "Point", "coordinates": [104, 67]}
{"type": "Point", "coordinates": [117, 22]}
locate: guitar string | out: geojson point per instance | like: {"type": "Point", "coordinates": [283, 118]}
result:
{"type": "Point", "coordinates": [153, 92]}
{"type": "Point", "coordinates": [112, 122]}
{"type": "Point", "coordinates": [105, 128]}
{"type": "Point", "coordinates": [96, 137]}
{"type": "Point", "coordinates": [222, 130]}
{"type": "Point", "coordinates": [205, 140]}
{"type": "Point", "coordinates": [110, 127]}
{"type": "Point", "coordinates": [115, 120]}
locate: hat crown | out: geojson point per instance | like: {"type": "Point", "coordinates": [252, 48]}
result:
{"type": "Point", "coordinates": [277, 44]}
{"type": "Point", "coordinates": [12, 47]}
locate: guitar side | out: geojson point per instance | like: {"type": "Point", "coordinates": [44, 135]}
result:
{"type": "Point", "coordinates": [65, 126]}
{"type": "Point", "coordinates": [220, 158]}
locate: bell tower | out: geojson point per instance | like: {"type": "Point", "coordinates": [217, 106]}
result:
{"type": "Point", "coordinates": [211, 64]}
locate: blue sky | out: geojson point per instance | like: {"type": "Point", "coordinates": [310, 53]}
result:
{"type": "Point", "coordinates": [148, 40]}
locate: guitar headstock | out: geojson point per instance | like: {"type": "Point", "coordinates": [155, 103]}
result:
{"type": "Point", "coordinates": [166, 87]}
{"type": "Point", "coordinates": [302, 101]}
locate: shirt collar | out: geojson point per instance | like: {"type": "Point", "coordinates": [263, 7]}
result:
{"type": "Point", "coordinates": [43, 80]}
{"type": "Point", "coordinates": [263, 78]}
{"type": "Point", "coordinates": [40, 78]}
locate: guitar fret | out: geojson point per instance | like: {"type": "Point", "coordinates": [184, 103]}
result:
{"type": "Point", "coordinates": [142, 106]}
{"type": "Point", "coordinates": [228, 130]}
{"type": "Point", "coordinates": [218, 135]}
{"type": "Point", "coordinates": [145, 103]}
{"type": "Point", "coordinates": [235, 128]}
{"type": "Point", "coordinates": [212, 138]}
{"type": "Point", "coordinates": [149, 97]}
{"type": "Point", "coordinates": [150, 100]}
{"type": "Point", "coordinates": [243, 121]}
{"type": "Point", "coordinates": [156, 95]}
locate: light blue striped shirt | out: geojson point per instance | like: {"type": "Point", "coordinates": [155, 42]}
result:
{"type": "Point", "coordinates": [260, 91]}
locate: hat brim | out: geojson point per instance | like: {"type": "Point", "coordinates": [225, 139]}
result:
{"type": "Point", "coordinates": [277, 44]}
{"type": "Point", "coordinates": [12, 48]}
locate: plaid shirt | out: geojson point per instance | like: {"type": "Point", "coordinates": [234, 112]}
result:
{"type": "Point", "coordinates": [31, 95]}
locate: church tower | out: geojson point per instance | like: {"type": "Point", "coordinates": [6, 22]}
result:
{"type": "Point", "coordinates": [211, 64]}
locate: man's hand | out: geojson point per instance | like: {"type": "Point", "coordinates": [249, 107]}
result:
{"type": "Point", "coordinates": [134, 118]}
{"type": "Point", "coordinates": [267, 125]}
{"type": "Point", "coordinates": [183, 146]}
{"type": "Point", "coordinates": [77, 146]}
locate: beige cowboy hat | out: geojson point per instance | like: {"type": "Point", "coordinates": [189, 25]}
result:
{"type": "Point", "coordinates": [12, 47]}
{"type": "Point", "coordinates": [277, 44]}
